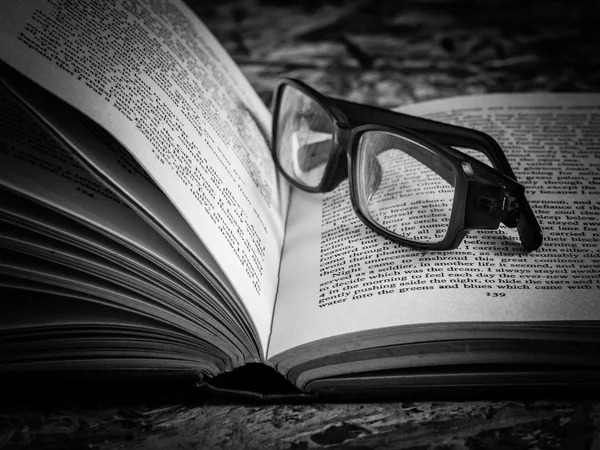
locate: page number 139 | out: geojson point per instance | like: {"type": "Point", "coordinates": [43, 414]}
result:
{"type": "Point", "coordinates": [495, 294]}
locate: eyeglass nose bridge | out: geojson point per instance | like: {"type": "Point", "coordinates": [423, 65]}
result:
{"type": "Point", "coordinates": [342, 134]}
{"type": "Point", "coordinates": [338, 166]}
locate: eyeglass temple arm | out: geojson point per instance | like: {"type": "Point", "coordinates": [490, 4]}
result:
{"type": "Point", "coordinates": [452, 135]}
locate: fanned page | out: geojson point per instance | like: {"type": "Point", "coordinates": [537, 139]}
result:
{"type": "Point", "coordinates": [66, 234]}
{"type": "Point", "coordinates": [154, 77]}
{"type": "Point", "coordinates": [124, 178]}
{"type": "Point", "coordinates": [93, 321]}
{"type": "Point", "coordinates": [337, 277]}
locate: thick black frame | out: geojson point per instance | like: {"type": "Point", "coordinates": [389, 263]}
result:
{"type": "Point", "coordinates": [484, 196]}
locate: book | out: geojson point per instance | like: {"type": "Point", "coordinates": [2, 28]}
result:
{"type": "Point", "coordinates": [146, 230]}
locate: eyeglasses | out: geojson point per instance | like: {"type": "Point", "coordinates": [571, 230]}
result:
{"type": "Point", "coordinates": [407, 181]}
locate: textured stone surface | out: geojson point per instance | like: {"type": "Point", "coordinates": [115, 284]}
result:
{"type": "Point", "coordinates": [391, 53]}
{"type": "Point", "coordinates": [186, 420]}
{"type": "Point", "coordinates": [381, 52]}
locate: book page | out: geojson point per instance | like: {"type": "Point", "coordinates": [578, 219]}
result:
{"type": "Point", "coordinates": [28, 215]}
{"type": "Point", "coordinates": [31, 162]}
{"type": "Point", "coordinates": [110, 163]}
{"type": "Point", "coordinates": [53, 189]}
{"type": "Point", "coordinates": [155, 78]}
{"type": "Point", "coordinates": [73, 259]}
{"type": "Point", "coordinates": [62, 312]}
{"type": "Point", "coordinates": [354, 280]}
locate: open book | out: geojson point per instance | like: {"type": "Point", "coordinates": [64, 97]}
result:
{"type": "Point", "coordinates": [145, 229]}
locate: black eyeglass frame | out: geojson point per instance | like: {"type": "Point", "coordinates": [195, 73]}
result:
{"type": "Point", "coordinates": [484, 196]}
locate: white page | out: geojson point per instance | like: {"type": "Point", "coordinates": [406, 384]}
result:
{"type": "Point", "coordinates": [17, 266]}
{"type": "Point", "coordinates": [17, 211]}
{"type": "Point", "coordinates": [29, 215]}
{"type": "Point", "coordinates": [487, 278]}
{"type": "Point", "coordinates": [37, 245]}
{"type": "Point", "coordinates": [163, 86]}
{"type": "Point", "coordinates": [138, 338]}
{"type": "Point", "coordinates": [24, 271]}
{"type": "Point", "coordinates": [23, 241]}
{"type": "Point", "coordinates": [66, 310]}
{"type": "Point", "coordinates": [34, 165]}
{"type": "Point", "coordinates": [111, 163]}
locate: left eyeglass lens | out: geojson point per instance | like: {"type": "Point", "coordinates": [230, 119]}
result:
{"type": "Point", "coordinates": [303, 137]}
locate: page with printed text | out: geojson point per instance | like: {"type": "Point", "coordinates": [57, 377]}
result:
{"type": "Point", "coordinates": [338, 277]}
{"type": "Point", "coordinates": [155, 78]}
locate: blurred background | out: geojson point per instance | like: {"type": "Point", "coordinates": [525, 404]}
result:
{"type": "Point", "coordinates": [391, 53]}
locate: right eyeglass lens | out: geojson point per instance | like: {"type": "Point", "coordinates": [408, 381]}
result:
{"type": "Point", "coordinates": [303, 139]}
{"type": "Point", "coordinates": [404, 187]}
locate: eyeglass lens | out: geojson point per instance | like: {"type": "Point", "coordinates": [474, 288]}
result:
{"type": "Point", "coordinates": [303, 138]}
{"type": "Point", "coordinates": [404, 187]}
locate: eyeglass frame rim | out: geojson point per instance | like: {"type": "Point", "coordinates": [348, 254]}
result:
{"type": "Point", "coordinates": [346, 140]}
{"type": "Point", "coordinates": [456, 225]}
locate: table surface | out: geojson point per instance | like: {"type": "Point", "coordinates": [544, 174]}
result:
{"type": "Point", "coordinates": [385, 53]}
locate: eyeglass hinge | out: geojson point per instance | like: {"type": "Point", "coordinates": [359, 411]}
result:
{"type": "Point", "coordinates": [492, 203]}
{"type": "Point", "coordinates": [498, 198]}
{"type": "Point", "coordinates": [501, 204]}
